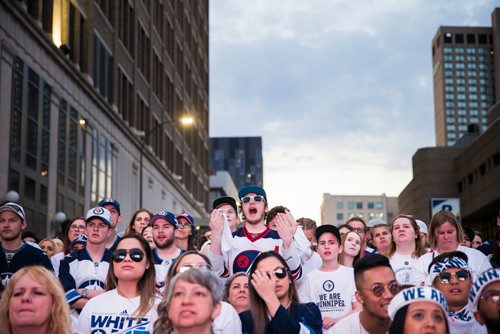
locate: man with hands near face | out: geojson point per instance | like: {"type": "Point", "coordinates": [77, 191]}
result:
{"type": "Point", "coordinates": [236, 251]}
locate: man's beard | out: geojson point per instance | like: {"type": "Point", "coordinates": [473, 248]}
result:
{"type": "Point", "coordinates": [166, 244]}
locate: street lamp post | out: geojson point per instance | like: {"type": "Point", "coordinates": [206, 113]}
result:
{"type": "Point", "coordinates": [185, 121]}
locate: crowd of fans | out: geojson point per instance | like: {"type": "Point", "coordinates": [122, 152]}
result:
{"type": "Point", "coordinates": [256, 270]}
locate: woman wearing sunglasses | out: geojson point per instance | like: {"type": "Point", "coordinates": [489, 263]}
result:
{"type": "Point", "coordinates": [275, 307]}
{"type": "Point", "coordinates": [227, 321]}
{"type": "Point", "coordinates": [130, 300]}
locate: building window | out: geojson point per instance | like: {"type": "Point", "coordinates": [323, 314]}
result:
{"type": "Point", "coordinates": [459, 38]}
{"type": "Point", "coordinates": [340, 216]}
{"type": "Point", "coordinates": [448, 38]}
{"type": "Point", "coordinates": [379, 205]}
{"type": "Point", "coordinates": [103, 70]}
{"type": "Point", "coordinates": [102, 167]}
{"type": "Point", "coordinates": [143, 51]}
{"type": "Point", "coordinates": [350, 205]}
{"type": "Point", "coordinates": [126, 25]}
{"type": "Point", "coordinates": [371, 205]}
{"type": "Point", "coordinates": [340, 205]}
{"type": "Point", "coordinates": [30, 141]}
{"type": "Point", "coordinates": [126, 98]}
{"type": "Point", "coordinates": [359, 205]}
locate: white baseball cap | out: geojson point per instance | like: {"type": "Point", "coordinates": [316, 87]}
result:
{"type": "Point", "coordinates": [101, 213]}
{"type": "Point", "coordinates": [422, 226]}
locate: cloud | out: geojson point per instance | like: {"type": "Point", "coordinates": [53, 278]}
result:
{"type": "Point", "coordinates": [339, 90]}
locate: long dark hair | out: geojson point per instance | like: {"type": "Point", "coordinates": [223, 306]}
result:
{"type": "Point", "coordinates": [258, 306]}
{"type": "Point", "coordinates": [146, 284]}
{"type": "Point", "coordinates": [398, 324]}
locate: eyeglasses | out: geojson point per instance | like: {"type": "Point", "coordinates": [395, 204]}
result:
{"type": "Point", "coordinates": [77, 227]}
{"type": "Point", "coordinates": [491, 296]}
{"type": "Point", "coordinates": [278, 272]}
{"type": "Point", "coordinates": [188, 266]}
{"type": "Point", "coordinates": [359, 230]}
{"type": "Point", "coordinates": [256, 198]}
{"type": "Point", "coordinates": [186, 226]}
{"type": "Point", "coordinates": [461, 275]}
{"type": "Point", "coordinates": [378, 289]}
{"type": "Point", "coordinates": [135, 254]}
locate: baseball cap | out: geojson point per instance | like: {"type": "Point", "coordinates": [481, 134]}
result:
{"type": "Point", "coordinates": [81, 239]}
{"type": "Point", "coordinates": [374, 222]}
{"type": "Point", "coordinates": [14, 207]}
{"type": "Point", "coordinates": [252, 189]}
{"type": "Point", "coordinates": [225, 200]}
{"type": "Point", "coordinates": [486, 277]}
{"type": "Point", "coordinates": [101, 213]}
{"type": "Point", "coordinates": [187, 216]}
{"type": "Point", "coordinates": [328, 228]}
{"type": "Point", "coordinates": [422, 226]}
{"type": "Point", "coordinates": [168, 216]}
{"type": "Point", "coordinates": [417, 294]}
{"type": "Point", "coordinates": [110, 201]}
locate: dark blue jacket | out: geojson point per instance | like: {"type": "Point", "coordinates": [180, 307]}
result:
{"type": "Point", "coordinates": [25, 256]}
{"type": "Point", "coordinates": [288, 321]}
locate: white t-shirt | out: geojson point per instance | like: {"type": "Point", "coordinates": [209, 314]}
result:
{"type": "Point", "coordinates": [463, 322]}
{"type": "Point", "coordinates": [111, 313]}
{"type": "Point", "coordinates": [228, 320]}
{"type": "Point", "coordinates": [401, 265]}
{"type": "Point", "coordinates": [332, 291]}
{"type": "Point", "coordinates": [478, 262]}
{"type": "Point", "coordinates": [349, 325]}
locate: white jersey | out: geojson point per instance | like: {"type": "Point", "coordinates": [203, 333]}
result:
{"type": "Point", "coordinates": [56, 261]}
{"type": "Point", "coordinates": [112, 313]}
{"type": "Point", "coordinates": [402, 266]}
{"type": "Point", "coordinates": [227, 321]}
{"type": "Point", "coordinates": [349, 325]}
{"type": "Point", "coordinates": [463, 322]}
{"type": "Point", "coordinates": [245, 248]}
{"type": "Point", "coordinates": [332, 291]}
{"type": "Point", "coordinates": [478, 262]}
{"type": "Point", "coordinates": [310, 262]}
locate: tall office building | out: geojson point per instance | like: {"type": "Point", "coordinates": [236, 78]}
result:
{"type": "Point", "coordinates": [240, 156]}
{"type": "Point", "coordinates": [465, 61]}
{"type": "Point", "coordinates": [91, 95]}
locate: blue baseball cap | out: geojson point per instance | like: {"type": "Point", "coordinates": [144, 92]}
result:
{"type": "Point", "coordinates": [187, 216]}
{"type": "Point", "coordinates": [111, 201]}
{"type": "Point", "coordinates": [252, 189]}
{"type": "Point", "coordinates": [168, 216]}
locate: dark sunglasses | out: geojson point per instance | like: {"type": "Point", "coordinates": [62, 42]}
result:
{"type": "Point", "coordinates": [256, 198]}
{"type": "Point", "coordinates": [278, 272]}
{"type": "Point", "coordinates": [135, 254]}
{"type": "Point", "coordinates": [491, 296]}
{"type": "Point", "coordinates": [379, 289]}
{"type": "Point", "coordinates": [461, 275]}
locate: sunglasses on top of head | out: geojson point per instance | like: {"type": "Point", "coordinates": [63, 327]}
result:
{"type": "Point", "coordinates": [256, 198]}
{"type": "Point", "coordinates": [135, 254]}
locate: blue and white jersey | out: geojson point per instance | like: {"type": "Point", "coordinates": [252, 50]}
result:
{"type": "Point", "coordinates": [248, 245]}
{"type": "Point", "coordinates": [26, 255]}
{"type": "Point", "coordinates": [161, 268]}
{"type": "Point", "coordinates": [78, 271]}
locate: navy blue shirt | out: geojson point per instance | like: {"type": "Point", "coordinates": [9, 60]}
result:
{"type": "Point", "coordinates": [26, 255]}
{"type": "Point", "coordinates": [307, 316]}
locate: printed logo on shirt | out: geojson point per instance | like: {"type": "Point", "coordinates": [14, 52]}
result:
{"type": "Point", "coordinates": [244, 260]}
{"type": "Point", "coordinates": [123, 323]}
{"type": "Point", "coordinates": [330, 301]}
{"type": "Point", "coordinates": [328, 286]}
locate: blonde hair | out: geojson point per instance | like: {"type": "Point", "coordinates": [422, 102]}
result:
{"type": "Point", "coordinates": [59, 321]}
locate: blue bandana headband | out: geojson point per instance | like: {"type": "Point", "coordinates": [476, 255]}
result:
{"type": "Point", "coordinates": [451, 262]}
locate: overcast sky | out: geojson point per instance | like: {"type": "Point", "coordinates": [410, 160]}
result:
{"type": "Point", "coordinates": [339, 90]}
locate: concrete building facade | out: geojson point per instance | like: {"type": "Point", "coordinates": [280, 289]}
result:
{"type": "Point", "coordinates": [337, 209]}
{"type": "Point", "coordinates": [86, 86]}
